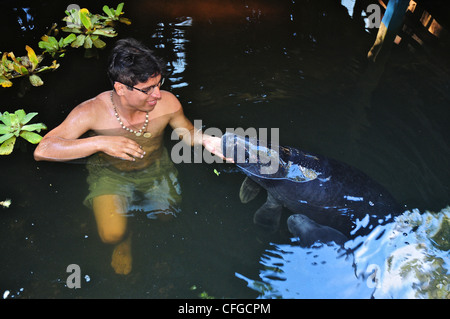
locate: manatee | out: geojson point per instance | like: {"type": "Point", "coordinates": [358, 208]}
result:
{"type": "Point", "coordinates": [327, 191]}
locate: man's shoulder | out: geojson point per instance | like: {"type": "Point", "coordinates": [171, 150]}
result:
{"type": "Point", "coordinates": [95, 104]}
{"type": "Point", "coordinates": [170, 102]}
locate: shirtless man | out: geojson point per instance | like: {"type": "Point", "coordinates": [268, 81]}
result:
{"type": "Point", "coordinates": [128, 125]}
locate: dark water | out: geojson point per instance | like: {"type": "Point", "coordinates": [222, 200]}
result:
{"type": "Point", "coordinates": [297, 66]}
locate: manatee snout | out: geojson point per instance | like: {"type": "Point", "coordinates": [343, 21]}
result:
{"type": "Point", "coordinates": [242, 149]}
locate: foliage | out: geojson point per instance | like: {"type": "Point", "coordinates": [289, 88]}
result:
{"type": "Point", "coordinates": [28, 65]}
{"type": "Point", "coordinates": [90, 27]}
{"type": "Point", "coordinates": [15, 125]}
{"type": "Point", "coordinates": [115, 15]}
{"type": "Point", "coordinates": [54, 47]}
{"type": "Point", "coordinates": [85, 31]}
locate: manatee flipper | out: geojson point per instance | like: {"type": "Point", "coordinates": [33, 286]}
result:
{"type": "Point", "coordinates": [249, 190]}
{"type": "Point", "coordinates": [268, 215]}
{"type": "Point", "coordinates": [310, 232]}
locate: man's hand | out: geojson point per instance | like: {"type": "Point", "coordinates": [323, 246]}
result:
{"type": "Point", "coordinates": [214, 145]}
{"type": "Point", "coordinates": [120, 147]}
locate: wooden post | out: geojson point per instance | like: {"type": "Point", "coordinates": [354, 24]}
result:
{"type": "Point", "coordinates": [390, 24]}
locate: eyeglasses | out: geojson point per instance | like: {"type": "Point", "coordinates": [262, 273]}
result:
{"type": "Point", "coordinates": [149, 90]}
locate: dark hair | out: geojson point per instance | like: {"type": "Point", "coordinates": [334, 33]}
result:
{"type": "Point", "coordinates": [131, 62]}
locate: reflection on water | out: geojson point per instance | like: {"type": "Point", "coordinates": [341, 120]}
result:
{"type": "Point", "coordinates": [25, 19]}
{"type": "Point", "coordinates": [172, 38]}
{"type": "Point", "coordinates": [408, 258]}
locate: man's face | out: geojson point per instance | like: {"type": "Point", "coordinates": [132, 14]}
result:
{"type": "Point", "coordinates": [145, 102]}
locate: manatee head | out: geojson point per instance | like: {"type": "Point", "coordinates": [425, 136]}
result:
{"type": "Point", "coordinates": [310, 232]}
{"type": "Point", "coordinates": [258, 158]}
{"type": "Point", "coordinates": [254, 156]}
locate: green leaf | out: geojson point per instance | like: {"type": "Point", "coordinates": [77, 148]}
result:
{"type": "Point", "coordinates": [45, 42]}
{"type": "Point", "coordinates": [20, 115]}
{"type": "Point", "coordinates": [35, 80]}
{"type": "Point", "coordinates": [100, 44]}
{"type": "Point", "coordinates": [19, 68]}
{"type": "Point", "coordinates": [6, 118]}
{"type": "Point", "coordinates": [28, 118]}
{"type": "Point", "coordinates": [53, 42]}
{"type": "Point", "coordinates": [88, 42]}
{"type": "Point", "coordinates": [119, 9]}
{"type": "Point", "coordinates": [107, 10]}
{"type": "Point", "coordinates": [46, 46]}
{"type": "Point", "coordinates": [32, 56]}
{"type": "Point", "coordinates": [107, 32]}
{"type": "Point", "coordinates": [13, 120]}
{"type": "Point", "coordinates": [6, 137]}
{"type": "Point", "coordinates": [79, 41]}
{"type": "Point", "coordinates": [34, 127]}
{"type": "Point", "coordinates": [69, 39]}
{"type": "Point", "coordinates": [85, 19]}
{"type": "Point", "coordinates": [50, 44]}
{"type": "Point", "coordinates": [7, 147]}
{"type": "Point", "coordinates": [4, 129]}
{"type": "Point", "coordinates": [31, 137]}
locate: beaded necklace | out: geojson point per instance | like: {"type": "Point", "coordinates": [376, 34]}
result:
{"type": "Point", "coordinates": [137, 133]}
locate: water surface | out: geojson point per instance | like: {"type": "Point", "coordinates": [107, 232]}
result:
{"type": "Point", "coordinates": [297, 66]}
